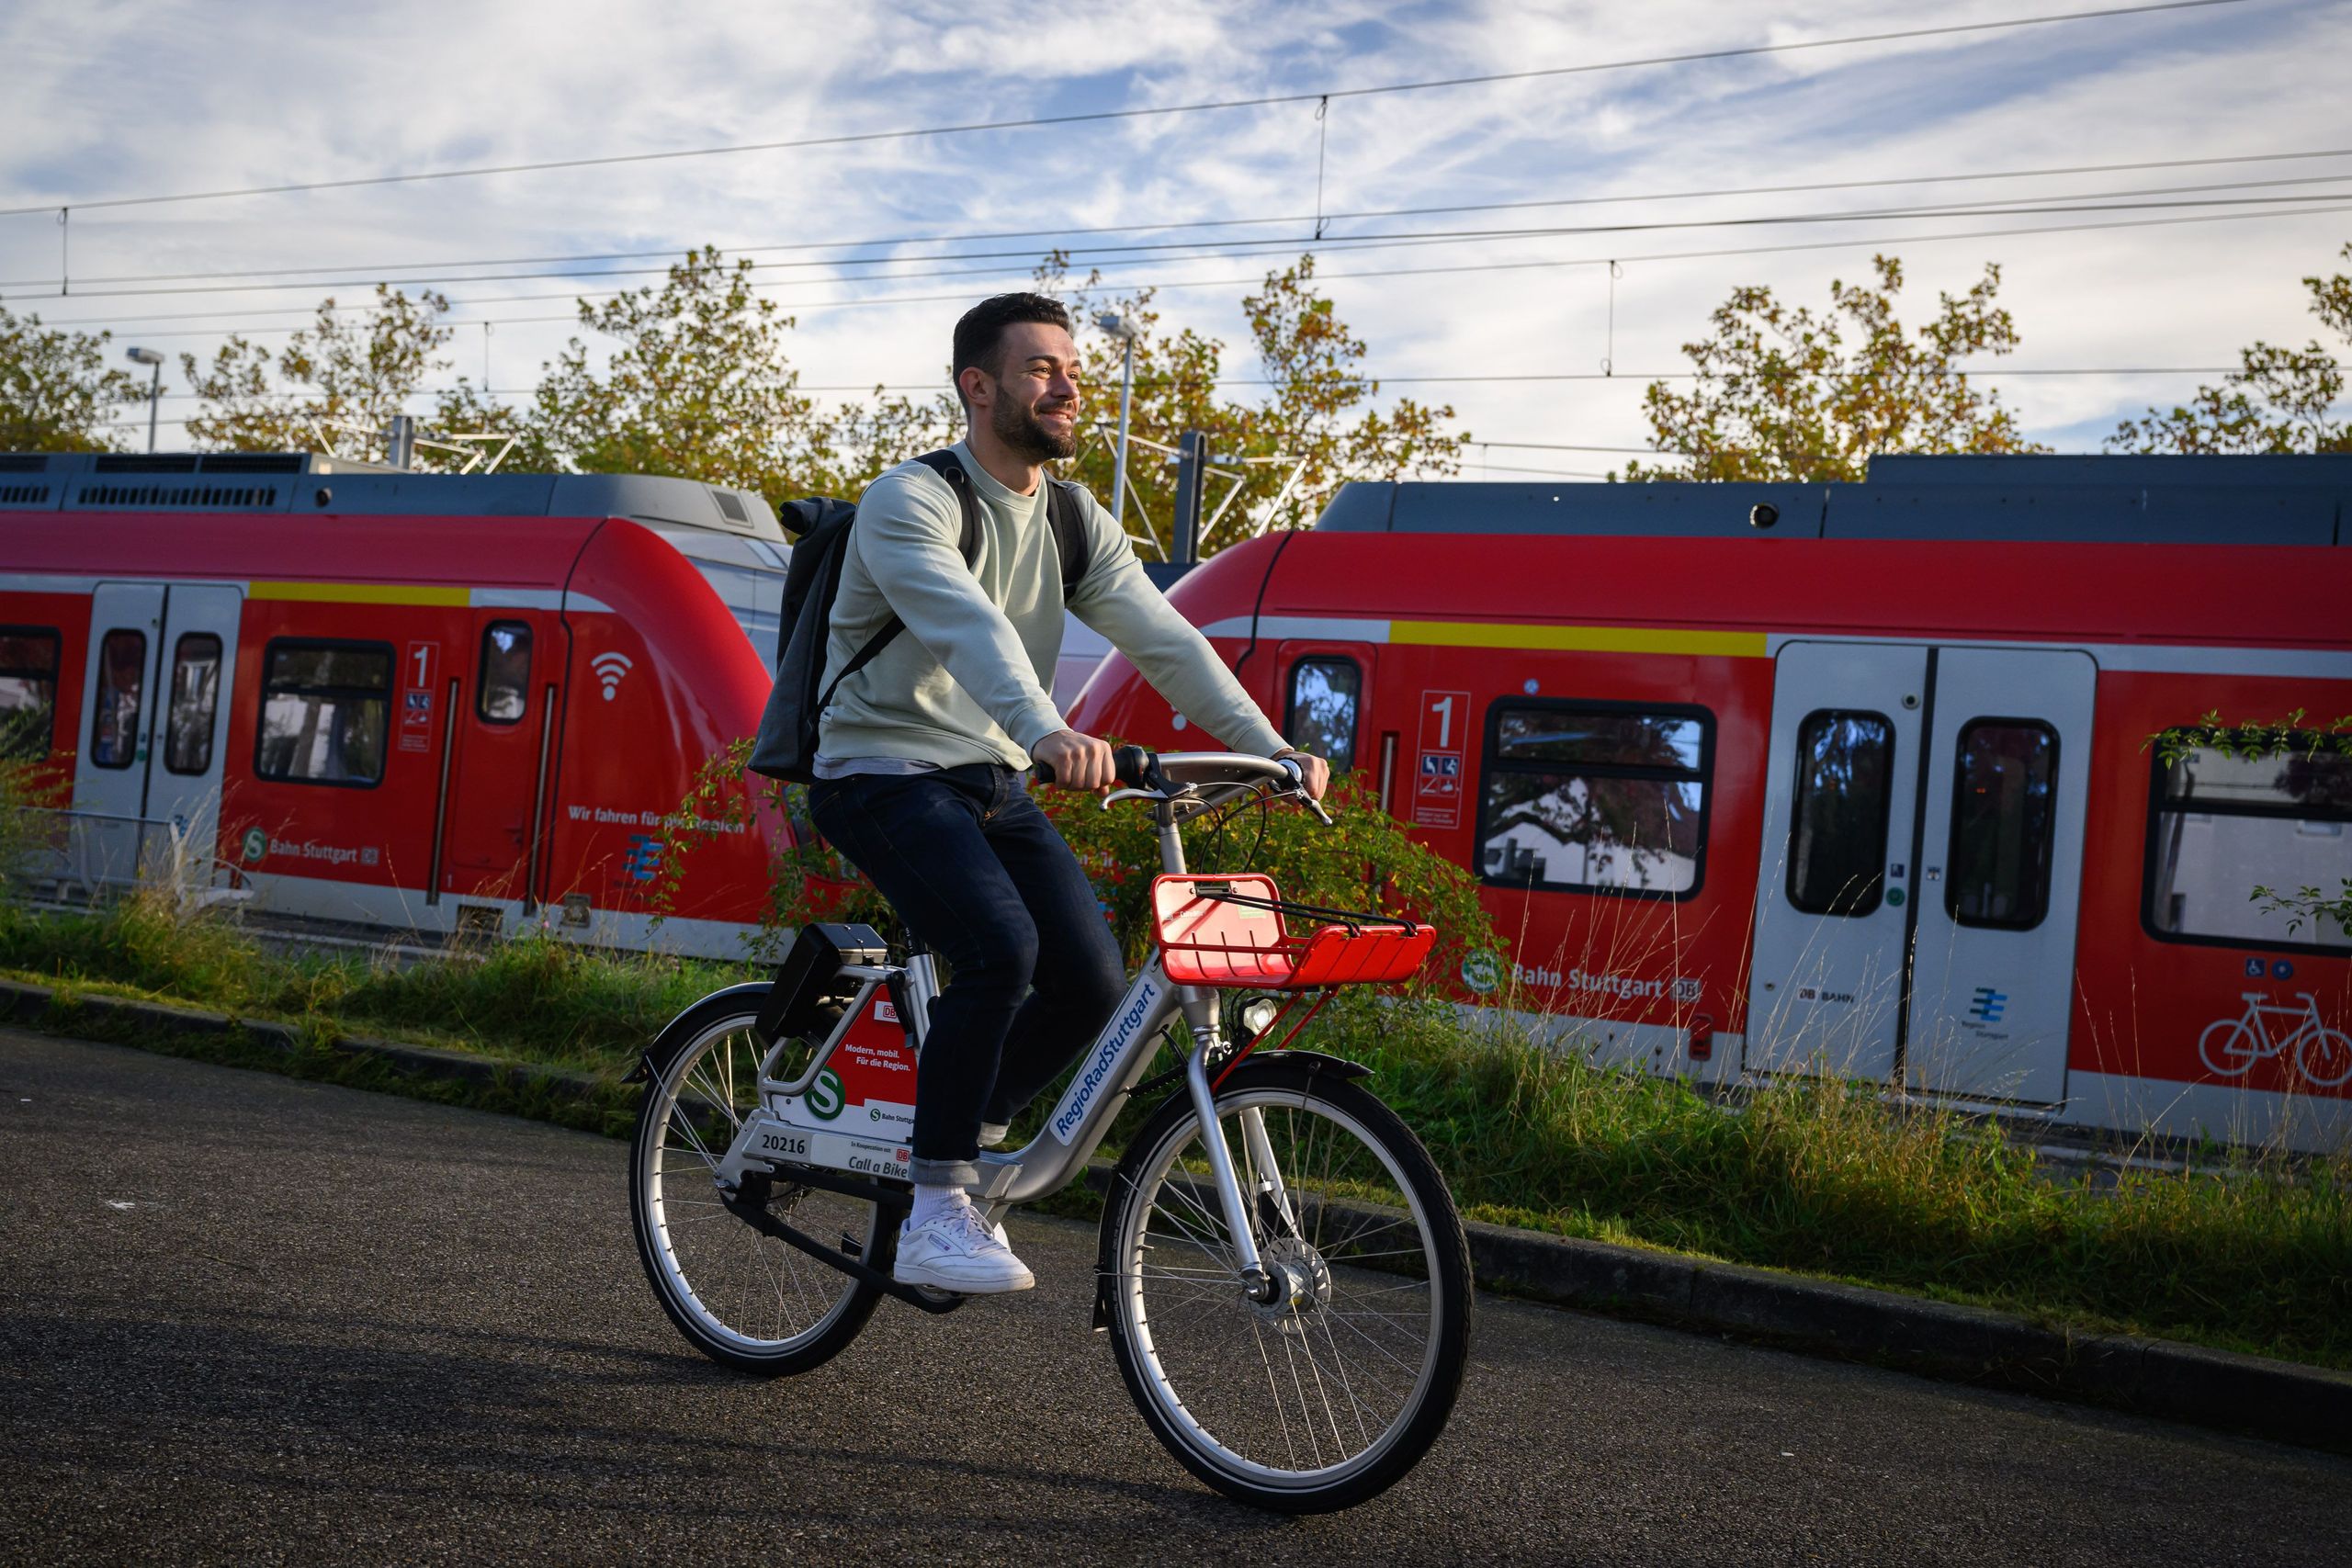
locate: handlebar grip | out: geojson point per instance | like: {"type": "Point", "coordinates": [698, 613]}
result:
{"type": "Point", "coordinates": [1132, 765]}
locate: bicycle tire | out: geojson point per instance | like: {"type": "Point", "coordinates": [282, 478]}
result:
{"type": "Point", "coordinates": [836, 1304]}
{"type": "Point", "coordinates": [1401, 1169]}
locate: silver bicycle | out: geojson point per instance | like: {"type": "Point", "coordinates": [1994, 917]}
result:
{"type": "Point", "coordinates": [1280, 1269]}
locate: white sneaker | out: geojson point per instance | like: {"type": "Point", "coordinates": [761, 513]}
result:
{"type": "Point", "coordinates": [956, 1252]}
{"type": "Point", "coordinates": [993, 1134]}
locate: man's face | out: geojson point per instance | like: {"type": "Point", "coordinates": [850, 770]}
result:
{"type": "Point", "coordinates": [1034, 411]}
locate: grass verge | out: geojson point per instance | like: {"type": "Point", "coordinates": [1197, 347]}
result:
{"type": "Point", "coordinates": [1820, 1178]}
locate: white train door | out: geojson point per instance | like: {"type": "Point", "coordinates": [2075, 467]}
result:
{"type": "Point", "coordinates": [190, 719]}
{"type": "Point", "coordinates": [1992, 971]}
{"type": "Point", "coordinates": [149, 757]}
{"type": "Point", "coordinates": [1922, 869]}
{"type": "Point", "coordinates": [1832, 906]}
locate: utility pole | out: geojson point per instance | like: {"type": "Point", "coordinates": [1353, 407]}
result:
{"type": "Point", "coordinates": [1192, 484]}
{"type": "Point", "coordinates": [1125, 331]}
{"type": "Point", "coordinates": [149, 356]}
{"type": "Point", "coordinates": [401, 442]}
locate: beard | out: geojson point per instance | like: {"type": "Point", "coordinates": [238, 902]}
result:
{"type": "Point", "coordinates": [1021, 431]}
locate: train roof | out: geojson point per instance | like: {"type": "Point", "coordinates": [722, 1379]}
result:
{"type": "Point", "coordinates": [298, 482]}
{"type": "Point", "coordinates": [2083, 500]}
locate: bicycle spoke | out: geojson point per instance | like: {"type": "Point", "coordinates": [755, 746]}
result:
{"type": "Point", "coordinates": [753, 1293]}
{"type": "Point", "coordinates": [1341, 1352]}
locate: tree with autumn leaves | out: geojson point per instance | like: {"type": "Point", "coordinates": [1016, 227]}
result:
{"type": "Point", "coordinates": [693, 377]}
{"type": "Point", "coordinates": [1786, 393]}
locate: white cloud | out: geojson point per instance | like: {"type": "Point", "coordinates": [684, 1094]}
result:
{"type": "Point", "coordinates": [136, 96]}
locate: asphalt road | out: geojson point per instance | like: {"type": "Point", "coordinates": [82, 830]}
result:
{"type": "Point", "coordinates": [249, 1319]}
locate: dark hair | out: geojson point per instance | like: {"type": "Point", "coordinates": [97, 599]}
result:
{"type": "Point", "coordinates": [982, 329]}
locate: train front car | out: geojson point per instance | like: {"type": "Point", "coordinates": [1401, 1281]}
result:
{"type": "Point", "coordinates": [346, 695]}
{"type": "Point", "coordinates": [1762, 780]}
{"type": "Point", "coordinates": [657, 840]}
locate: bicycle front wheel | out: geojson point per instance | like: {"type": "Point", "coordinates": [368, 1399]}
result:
{"type": "Point", "coordinates": [738, 1295]}
{"type": "Point", "coordinates": [1327, 1395]}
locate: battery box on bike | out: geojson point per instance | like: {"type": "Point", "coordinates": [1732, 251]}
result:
{"type": "Point", "coordinates": [858, 1113]}
{"type": "Point", "coordinates": [810, 991]}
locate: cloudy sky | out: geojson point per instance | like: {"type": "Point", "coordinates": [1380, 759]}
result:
{"type": "Point", "coordinates": [128, 98]}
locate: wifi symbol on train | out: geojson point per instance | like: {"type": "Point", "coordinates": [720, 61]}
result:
{"type": "Point", "coordinates": [609, 669]}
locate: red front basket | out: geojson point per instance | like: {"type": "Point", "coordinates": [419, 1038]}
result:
{"type": "Point", "coordinates": [1208, 939]}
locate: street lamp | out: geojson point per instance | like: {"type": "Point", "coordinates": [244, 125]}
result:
{"type": "Point", "coordinates": [155, 386]}
{"type": "Point", "coordinates": [1121, 328]}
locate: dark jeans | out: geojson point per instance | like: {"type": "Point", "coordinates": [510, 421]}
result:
{"type": "Point", "coordinates": [975, 869]}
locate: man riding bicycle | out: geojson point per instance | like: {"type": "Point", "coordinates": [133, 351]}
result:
{"type": "Point", "coordinates": [922, 752]}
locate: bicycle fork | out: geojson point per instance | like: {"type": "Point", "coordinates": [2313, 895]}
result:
{"type": "Point", "coordinates": [1262, 1286]}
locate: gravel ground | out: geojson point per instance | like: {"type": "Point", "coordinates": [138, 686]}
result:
{"type": "Point", "coordinates": [245, 1318]}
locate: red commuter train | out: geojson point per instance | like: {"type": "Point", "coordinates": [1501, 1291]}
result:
{"type": "Point", "coordinates": [1757, 776]}
{"type": "Point", "coordinates": [407, 701]}
{"type": "Point", "coordinates": [1761, 777]}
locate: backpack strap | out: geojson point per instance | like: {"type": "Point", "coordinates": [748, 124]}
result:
{"type": "Point", "coordinates": [948, 467]}
{"type": "Point", "coordinates": [1065, 509]}
{"type": "Point", "coordinates": [1062, 510]}
{"type": "Point", "coordinates": [944, 464]}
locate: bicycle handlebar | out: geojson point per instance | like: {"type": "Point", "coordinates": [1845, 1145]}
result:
{"type": "Point", "coordinates": [1168, 773]}
{"type": "Point", "coordinates": [1132, 765]}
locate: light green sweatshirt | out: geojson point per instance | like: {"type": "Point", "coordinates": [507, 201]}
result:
{"type": "Point", "coordinates": [967, 682]}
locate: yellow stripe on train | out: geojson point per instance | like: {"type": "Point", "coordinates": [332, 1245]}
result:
{"type": "Point", "coordinates": [360, 593]}
{"type": "Point", "coordinates": [1580, 639]}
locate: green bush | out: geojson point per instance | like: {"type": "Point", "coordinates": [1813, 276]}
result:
{"type": "Point", "coordinates": [1367, 862]}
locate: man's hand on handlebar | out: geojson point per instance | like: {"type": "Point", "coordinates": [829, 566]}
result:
{"type": "Point", "coordinates": [1315, 773]}
{"type": "Point", "coordinates": [1076, 762]}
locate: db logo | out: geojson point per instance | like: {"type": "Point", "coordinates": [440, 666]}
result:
{"type": "Point", "coordinates": [903, 1157]}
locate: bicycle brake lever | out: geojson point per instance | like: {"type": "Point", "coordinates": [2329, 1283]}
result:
{"type": "Point", "coordinates": [1299, 791]}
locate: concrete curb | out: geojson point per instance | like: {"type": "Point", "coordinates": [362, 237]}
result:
{"type": "Point", "coordinates": [2279, 1400]}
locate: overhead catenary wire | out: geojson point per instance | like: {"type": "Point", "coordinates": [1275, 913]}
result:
{"type": "Point", "coordinates": [1200, 250]}
{"type": "Point", "coordinates": [1949, 29]}
{"type": "Point", "coordinates": [1153, 384]}
{"type": "Point", "coordinates": [674, 250]}
{"type": "Point", "coordinates": [1859, 243]}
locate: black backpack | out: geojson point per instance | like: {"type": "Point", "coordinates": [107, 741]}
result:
{"type": "Point", "coordinates": [786, 746]}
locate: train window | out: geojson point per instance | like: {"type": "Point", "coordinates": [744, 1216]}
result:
{"type": "Point", "coordinates": [196, 698]}
{"type": "Point", "coordinates": [2220, 825]}
{"type": "Point", "coordinates": [1596, 797]}
{"type": "Point", "coordinates": [504, 688]}
{"type": "Point", "coordinates": [1838, 837]}
{"type": "Point", "coordinates": [2004, 817]}
{"type": "Point", "coordinates": [114, 717]}
{"type": "Point", "coordinates": [1325, 694]}
{"type": "Point", "coordinates": [325, 709]}
{"type": "Point", "coordinates": [27, 692]}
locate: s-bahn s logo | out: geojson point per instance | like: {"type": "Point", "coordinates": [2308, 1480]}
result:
{"type": "Point", "coordinates": [254, 846]}
{"type": "Point", "coordinates": [1482, 972]}
{"type": "Point", "coordinates": [824, 1097]}
{"type": "Point", "coordinates": [1988, 1006]}
{"type": "Point", "coordinates": [609, 669]}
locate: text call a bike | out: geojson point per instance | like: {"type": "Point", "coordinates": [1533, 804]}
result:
{"type": "Point", "coordinates": [1282, 1271]}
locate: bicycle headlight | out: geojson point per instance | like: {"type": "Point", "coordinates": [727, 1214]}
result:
{"type": "Point", "coordinates": [1257, 1015]}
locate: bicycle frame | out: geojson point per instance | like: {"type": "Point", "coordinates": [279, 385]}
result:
{"type": "Point", "coordinates": [1108, 1073]}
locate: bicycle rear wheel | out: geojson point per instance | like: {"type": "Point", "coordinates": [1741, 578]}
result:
{"type": "Point", "coordinates": [742, 1298]}
{"type": "Point", "coordinates": [1328, 1395]}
